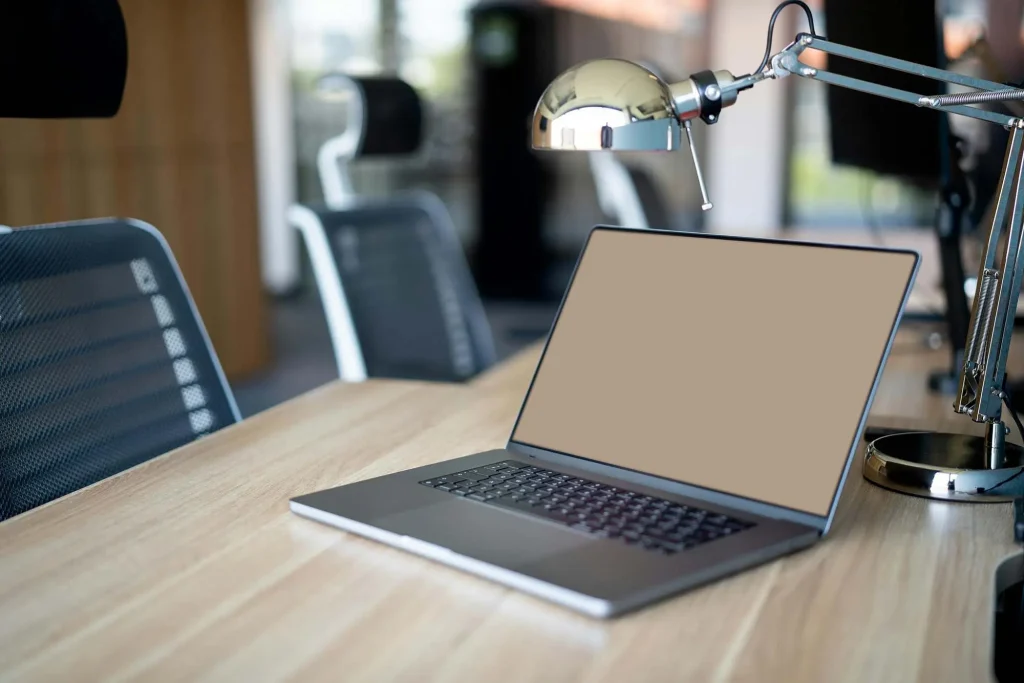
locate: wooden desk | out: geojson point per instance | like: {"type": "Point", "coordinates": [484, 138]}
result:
{"type": "Point", "coordinates": [191, 568]}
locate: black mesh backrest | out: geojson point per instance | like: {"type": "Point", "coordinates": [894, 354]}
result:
{"type": "Point", "coordinates": [103, 361]}
{"type": "Point", "coordinates": [413, 302]}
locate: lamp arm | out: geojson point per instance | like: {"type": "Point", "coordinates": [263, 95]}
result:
{"type": "Point", "coordinates": [1001, 274]}
{"type": "Point", "coordinates": [787, 61]}
{"type": "Point", "coordinates": [995, 304]}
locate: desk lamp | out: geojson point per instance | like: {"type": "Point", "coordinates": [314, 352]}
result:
{"type": "Point", "coordinates": [613, 104]}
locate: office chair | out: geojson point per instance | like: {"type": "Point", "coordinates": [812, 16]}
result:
{"type": "Point", "coordinates": [104, 362]}
{"type": "Point", "coordinates": [396, 289]}
{"type": "Point", "coordinates": [397, 293]}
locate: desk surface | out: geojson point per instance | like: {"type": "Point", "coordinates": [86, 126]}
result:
{"type": "Point", "coordinates": [191, 567]}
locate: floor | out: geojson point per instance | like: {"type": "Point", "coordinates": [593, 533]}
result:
{"type": "Point", "coordinates": [305, 360]}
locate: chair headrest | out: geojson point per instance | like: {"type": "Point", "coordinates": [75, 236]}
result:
{"type": "Point", "coordinates": [386, 112]}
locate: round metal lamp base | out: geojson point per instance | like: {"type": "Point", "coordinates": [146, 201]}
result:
{"type": "Point", "coordinates": [945, 467]}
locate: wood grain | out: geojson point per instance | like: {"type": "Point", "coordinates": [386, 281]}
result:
{"type": "Point", "coordinates": [179, 155]}
{"type": "Point", "coordinates": [191, 567]}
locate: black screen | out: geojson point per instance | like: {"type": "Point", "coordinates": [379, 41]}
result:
{"type": "Point", "coordinates": [875, 133]}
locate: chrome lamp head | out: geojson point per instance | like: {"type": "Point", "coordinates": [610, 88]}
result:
{"type": "Point", "coordinates": [606, 104]}
{"type": "Point", "coordinates": [617, 105]}
{"type": "Point", "coordinates": [614, 104]}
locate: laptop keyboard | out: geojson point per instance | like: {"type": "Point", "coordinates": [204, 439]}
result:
{"type": "Point", "coordinates": [605, 511]}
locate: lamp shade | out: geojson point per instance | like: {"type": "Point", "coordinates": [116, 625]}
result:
{"type": "Point", "coordinates": [606, 104]}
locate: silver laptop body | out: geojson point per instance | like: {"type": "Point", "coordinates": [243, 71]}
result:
{"type": "Point", "coordinates": [567, 513]}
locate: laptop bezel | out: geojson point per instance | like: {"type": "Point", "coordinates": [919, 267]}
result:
{"type": "Point", "coordinates": [820, 522]}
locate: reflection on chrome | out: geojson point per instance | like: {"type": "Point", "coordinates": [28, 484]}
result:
{"type": "Point", "coordinates": [582, 128]}
{"type": "Point", "coordinates": [942, 482]}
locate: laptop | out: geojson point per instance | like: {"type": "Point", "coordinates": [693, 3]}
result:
{"type": "Point", "coordinates": [695, 412]}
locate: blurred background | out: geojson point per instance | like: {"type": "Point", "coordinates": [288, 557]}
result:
{"type": "Point", "coordinates": [223, 120]}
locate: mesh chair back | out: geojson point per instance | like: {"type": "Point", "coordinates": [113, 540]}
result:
{"type": "Point", "coordinates": [407, 290]}
{"type": "Point", "coordinates": [104, 363]}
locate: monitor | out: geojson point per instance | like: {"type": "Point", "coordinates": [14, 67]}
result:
{"type": "Point", "coordinates": [874, 133]}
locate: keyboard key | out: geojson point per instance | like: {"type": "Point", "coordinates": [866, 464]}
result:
{"type": "Point", "coordinates": [476, 496]}
{"type": "Point", "coordinates": [444, 487]}
{"type": "Point", "coordinates": [650, 542]}
{"type": "Point", "coordinates": [461, 492]}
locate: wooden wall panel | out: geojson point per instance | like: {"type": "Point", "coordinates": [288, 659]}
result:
{"type": "Point", "coordinates": [180, 155]}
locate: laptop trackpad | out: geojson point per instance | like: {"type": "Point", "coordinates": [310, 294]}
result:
{"type": "Point", "coordinates": [484, 533]}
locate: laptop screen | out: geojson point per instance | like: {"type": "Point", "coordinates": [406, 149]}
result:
{"type": "Point", "coordinates": [742, 366]}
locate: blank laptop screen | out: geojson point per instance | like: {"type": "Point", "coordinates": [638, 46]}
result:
{"type": "Point", "coordinates": [735, 365]}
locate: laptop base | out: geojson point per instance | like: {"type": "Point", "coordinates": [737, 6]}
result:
{"type": "Point", "coordinates": [600, 577]}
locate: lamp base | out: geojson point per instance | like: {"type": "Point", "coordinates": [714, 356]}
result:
{"type": "Point", "coordinates": [951, 467]}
